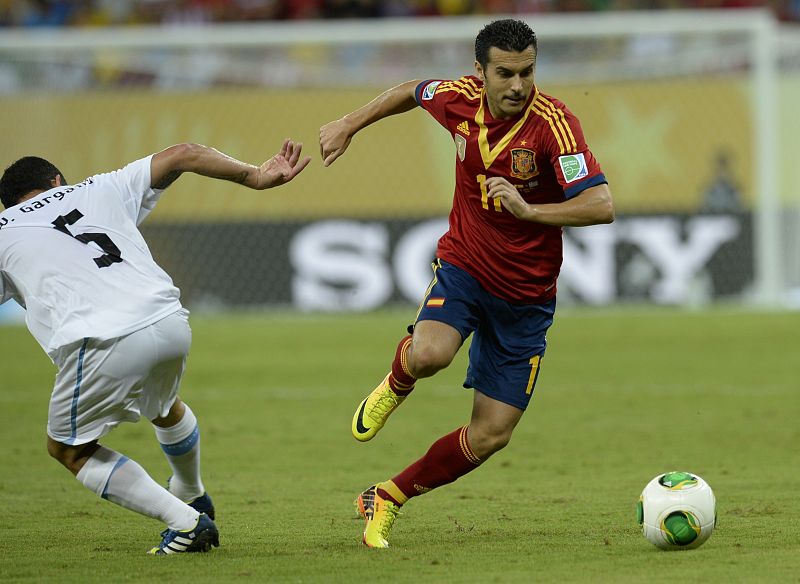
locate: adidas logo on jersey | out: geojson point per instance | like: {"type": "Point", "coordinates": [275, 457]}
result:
{"type": "Point", "coordinates": [463, 127]}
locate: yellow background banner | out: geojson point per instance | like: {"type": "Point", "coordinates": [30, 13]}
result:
{"type": "Point", "coordinates": [657, 142]}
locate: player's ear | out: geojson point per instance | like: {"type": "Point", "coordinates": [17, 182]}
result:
{"type": "Point", "coordinates": [58, 181]}
{"type": "Point", "coordinates": [479, 71]}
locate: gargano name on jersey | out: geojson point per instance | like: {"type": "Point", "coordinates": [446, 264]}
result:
{"type": "Point", "coordinates": [58, 195]}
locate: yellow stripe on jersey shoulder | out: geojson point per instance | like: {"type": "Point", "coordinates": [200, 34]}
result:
{"type": "Point", "coordinates": [467, 84]}
{"type": "Point", "coordinates": [549, 119]}
{"type": "Point", "coordinates": [469, 95]}
{"type": "Point", "coordinates": [468, 89]}
{"type": "Point", "coordinates": [471, 82]}
{"type": "Point", "coordinates": [557, 120]}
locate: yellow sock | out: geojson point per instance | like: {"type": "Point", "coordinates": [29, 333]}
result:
{"type": "Point", "coordinates": [393, 491]}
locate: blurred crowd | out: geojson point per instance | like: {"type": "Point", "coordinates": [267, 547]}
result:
{"type": "Point", "coordinates": [32, 13]}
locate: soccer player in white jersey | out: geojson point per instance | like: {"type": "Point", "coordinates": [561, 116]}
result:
{"type": "Point", "coordinates": [110, 319]}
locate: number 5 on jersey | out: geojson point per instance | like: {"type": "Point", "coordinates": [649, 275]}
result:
{"type": "Point", "coordinates": [102, 240]}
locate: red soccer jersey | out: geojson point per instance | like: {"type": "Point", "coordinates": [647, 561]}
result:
{"type": "Point", "coordinates": [542, 152]}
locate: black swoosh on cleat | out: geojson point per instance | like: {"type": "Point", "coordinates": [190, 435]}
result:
{"type": "Point", "coordinates": [359, 425]}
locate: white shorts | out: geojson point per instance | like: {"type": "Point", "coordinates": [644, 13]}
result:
{"type": "Point", "coordinates": [102, 383]}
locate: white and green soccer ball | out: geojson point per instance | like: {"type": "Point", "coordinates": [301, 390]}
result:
{"type": "Point", "coordinates": [677, 511]}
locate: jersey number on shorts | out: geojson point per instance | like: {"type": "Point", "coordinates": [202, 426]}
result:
{"type": "Point", "coordinates": [534, 362]}
{"type": "Point", "coordinates": [103, 241]}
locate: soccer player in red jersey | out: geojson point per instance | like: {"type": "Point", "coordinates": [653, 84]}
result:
{"type": "Point", "coordinates": [523, 171]}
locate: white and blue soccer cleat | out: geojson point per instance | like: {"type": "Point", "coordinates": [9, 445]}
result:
{"type": "Point", "coordinates": [199, 539]}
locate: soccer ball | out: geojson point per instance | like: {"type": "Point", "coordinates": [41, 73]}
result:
{"type": "Point", "coordinates": [677, 511]}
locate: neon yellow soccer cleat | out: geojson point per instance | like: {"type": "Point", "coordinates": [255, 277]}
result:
{"type": "Point", "coordinates": [379, 514]}
{"type": "Point", "coordinates": [372, 413]}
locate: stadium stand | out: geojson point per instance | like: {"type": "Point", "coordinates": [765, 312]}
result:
{"type": "Point", "coordinates": [38, 13]}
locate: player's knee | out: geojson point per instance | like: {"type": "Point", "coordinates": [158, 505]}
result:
{"type": "Point", "coordinates": [71, 457]}
{"type": "Point", "coordinates": [59, 451]}
{"type": "Point", "coordinates": [51, 449]}
{"type": "Point", "coordinates": [497, 442]}
{"type": "Point", "coordinates": [486, 441]}
{"type": "Point", "coordinates": [427, 359]}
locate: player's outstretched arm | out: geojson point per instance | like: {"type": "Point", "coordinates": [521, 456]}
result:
{"type": "Point", "coordinates": [591, 207]}
{"type": "Point", "coordinates": [166, 166]}
{"type": "Point", "coordinates": [334, 137]}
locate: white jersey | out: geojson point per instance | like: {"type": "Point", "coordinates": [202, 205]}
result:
{"type": "Point", "coordinates": [73, 257]}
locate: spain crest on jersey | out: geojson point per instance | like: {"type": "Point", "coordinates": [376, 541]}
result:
{"type": "Point", "coordinates": [523, 163]}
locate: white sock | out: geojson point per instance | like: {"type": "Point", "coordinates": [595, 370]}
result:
{"type": "Point", "coordinates": [181, 444]}
{"type": "Point", "coordinates": [122, 481]}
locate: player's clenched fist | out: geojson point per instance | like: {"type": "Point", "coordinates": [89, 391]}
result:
{"type": "Point", "coordinates": [500, 188]}
{"type": "Point", "coordinates": [334, 138]}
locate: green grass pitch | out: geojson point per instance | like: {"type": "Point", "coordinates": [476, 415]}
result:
{"type": "Point", "coordinates": [622, 396]}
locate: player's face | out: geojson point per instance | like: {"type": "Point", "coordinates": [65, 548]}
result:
{"type": "Point", "coordinates": [508, 80]}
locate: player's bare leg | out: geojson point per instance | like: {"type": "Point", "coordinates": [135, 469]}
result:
{"type": "Point", "coordinates": [430, 349]}
{"type": "Point", "coordinates": [491, 425]}
{"type": "Point", "coordinates": [434, 346]}
{"type": "Point", "coordinates": [71, 457]}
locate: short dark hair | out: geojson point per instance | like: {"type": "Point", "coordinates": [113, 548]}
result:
{"type": "Point", "coordinates": [27, 174]}
{"type": "Point", "coordinates": [506, 35]}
